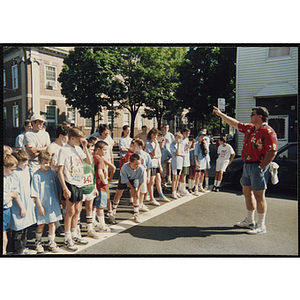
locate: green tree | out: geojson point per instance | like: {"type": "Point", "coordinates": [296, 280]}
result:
{"type": "Point", "coordinates": [163, 80]}
{"type": "Point", "coordinates": [86, 77]}
{"type": "Point", "coordinates": [207, 73]}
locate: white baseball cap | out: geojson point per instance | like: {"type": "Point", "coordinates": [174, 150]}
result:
{"type": "Point", "coordinates": [35, 117]}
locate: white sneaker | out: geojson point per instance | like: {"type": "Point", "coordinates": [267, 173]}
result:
{"type": "Point", "coordinates": [206, 187]}
{"type": "Point", "coordinates": [136, 218]}
{"type": "Point", "coordinates": [202, 190]}
{"type": "Point", "coordinates": [245, 224]}
{"type": "Point", "coordinates": [104, 229]}
{"type": "Point", "coordinates": [27, 251]}
{"type": "Point", "coordinates": [196, 193]}
{"type": "Point", "coordinates": [53, 247]}
{"type": "Point", "coordinates": [258, 230]}
{"type": "Point", "coordinates": [92, 233]}
{"type": "Point", "coordinates": [174, 196]}
{"type": "Point", "coordinates": [178, 195]}
{"type": "Point", "coordinates": [38, 247]}
{"type": "Point", "coordinates": [164, 199]}
{"type": "Point", "coordinates": [154, 202]}
{"type": "Point", "coordinates": [143, 207]}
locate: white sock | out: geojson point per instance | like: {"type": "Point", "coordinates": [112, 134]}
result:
{"type": "Point", "coordinates": [206, 181]}
{"type": "Point", "coordinates": [38, 235]}
{"type": "Point", "coordinates": [215, 183]}
{"type": "Point", "coordinates": [218, 183]}
{"type": "Point", "coordinates": [67, 235]}
{"type": "Point", "coordinates": [261, 219]}
{"type": "Point", "coordinates": [190, 183]}
{"type": "Point", "coordinates": [94, 215]}
{"type": "Point", "coordinates": [74, 232]}
{"type": "Point", "coordinates": [250, 216]}
{"type": "Point", "coordinates": [51, 238]}
{"type": "Point", "coordinates": [101, 218]}
{"type": "Point", "coordinates": [193, 183]}
{"type": "Point", "coordinates": [180, 187]}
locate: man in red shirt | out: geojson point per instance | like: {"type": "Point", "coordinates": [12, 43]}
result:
{"type": "Point", "coordinates": [259, 149]}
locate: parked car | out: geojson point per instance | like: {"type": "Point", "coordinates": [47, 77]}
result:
{"type": "Point", "coordinates": [286, 158]}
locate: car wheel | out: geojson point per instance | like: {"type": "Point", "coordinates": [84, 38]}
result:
{"type": "Point", "coordinates": [238, 179]}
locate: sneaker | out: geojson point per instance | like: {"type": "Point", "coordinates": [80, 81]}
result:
{"type": "Point", "coordinates": [217, 189]}
{"type": "Point", "coordinates": [136, 218]}
{"type": "Point", "coordinates": [245, 224]}
{"type": "Point", "coordinates": [154, 202]}
{"type": "Point", "coordinates": [202, 190]}
{"type": "Point", "coordinates": [96, 224]}
{"type": "Point", "coordinates": [213, 188]}
{"type": "Point", "coordinates": [196, 193]}
{"type": "Point", "coordinates": [92, 233]}
{"type": "Point", "coordinates": [69, 245]}
{"type": "Point", "coordinates": [164, 199]}
{"type": "Point", "coordinates": [143, 207]}
{"type": "Point", "coordinates": [174, 196]}
{"type": "Point", "coordinates": [178, 195]}
{"type": "Point", "coordinates": [258, 230]}
{"type": "Point", "coordinates": [206, 187]}
{"type": "Point", "coordinates": [111, 219]}
{"type": "Point", "coordinates": [104, 229]}
{"type": "Point", "coordinates": [27, 251]}
{"type": "Point", "coordinates": [53, 246]}
{"type": "Point", "coordinates": [38, 247]}
{"type": "Point", "coordinates": [114, 213]}
{"type": "Point", "coordinates": [79, 240]}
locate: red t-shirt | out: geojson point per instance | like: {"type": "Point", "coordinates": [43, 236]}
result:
{"type": "Point", "coordinates": [99, 164]}
{"type": "Point", "coordinates": [257, 142]}
{"type": "Point", "coordinates": [125, 159]}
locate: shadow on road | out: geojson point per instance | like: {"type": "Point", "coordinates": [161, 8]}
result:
{"type": "Point", "coordinates": [164, 233]}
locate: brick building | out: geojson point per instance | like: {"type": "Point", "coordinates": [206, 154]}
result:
{"type": "Point", "coordinates": [30, 86]}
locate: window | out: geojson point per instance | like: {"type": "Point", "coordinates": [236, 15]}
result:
{"type": "Point", "coordinates": [71, 115]}
{"type": "Point", "coordinates": [126, 119]}
{"type": "Point", "coordinates": [140, 121]}
{"type": "Point", "coordinates": [15, 116]}
{"type": "Point", "coordinates": [4, 116]}
{"type": "Point", "coordinates": [51, 115]}
{"type": "Point", "coordinates": [14, 71]}
{"type": "Point", "coordinates": [279, 51]}
{"type": "Point", "coordinates": [4, 78]}
{"type": "Point", "coordinates": [50, 77]}
{"type": "Point", "coordinates": [88, 123]}
{"type": "Point", "coordinates": [153, 123]}
{"type": "Point", "coordinates": [111, 116]}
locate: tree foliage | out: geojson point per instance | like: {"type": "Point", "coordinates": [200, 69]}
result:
{"type": "Point", "coordinates": [86, 77]}
{"type": "Point", "coordinates": [207, 73]}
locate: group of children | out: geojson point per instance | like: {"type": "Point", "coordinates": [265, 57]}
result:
{"type": "Point", "coordinates": [74, 169]}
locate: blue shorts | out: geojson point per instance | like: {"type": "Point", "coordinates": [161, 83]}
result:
{"type": "Point", "coordinates": [101, 200]}
{"type": "Point", "coordinates": [6, 218]}
{"type": "Point", "coordinates": [254, 177]}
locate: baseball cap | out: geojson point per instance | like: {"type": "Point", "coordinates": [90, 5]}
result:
{"type": "Point", "coordinates": [201, 133]}
{"type": "Point", "coordinates": [35, 117]}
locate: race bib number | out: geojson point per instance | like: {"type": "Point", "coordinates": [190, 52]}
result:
{"type": "Point", "coordinates": [87, 179]}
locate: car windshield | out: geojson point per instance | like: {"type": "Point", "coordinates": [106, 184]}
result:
{"type": "Point", "coordinates": [290, 153]}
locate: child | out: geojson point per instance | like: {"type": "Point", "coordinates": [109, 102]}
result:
{"type": "Point", "coordinates": [46, 190]}
{"type": "Point", "coordinates": [89, 192]}
{"type": "Point", "coordinates": [226, 155]}
{"type": "Point", "coordinates": [192, 167]}
{"type": "Point", "coordinates": [70, 174]}
{"type": "Point", "coordinates": [177, 152]}
{"type": "Point", "coordinates": [165, 158]}
{"type": "Point", "coordinates": [138, 146]}
{"type": "Point", "coordinates": [6, 150]}
{"type": "Point", "coordinates": [200, 162]}
{"type": "Point", "coordinates": [19, 224]}
{"type": "Point", "coordinates": [10, 191]}
{"type": "Point", "coordinates": [153, 149]}
{"type": "Point", "coordinates": [186, 162]}
{"type": "Point", "coordinates": [123, 160]}
{"type": "Point", "coordinates": [101, 149]}
{"type": "Point", "coordinates": [132, 176]}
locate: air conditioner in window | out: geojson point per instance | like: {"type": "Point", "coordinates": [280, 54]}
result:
{"type": "Point", "coordinates": [51, 83]}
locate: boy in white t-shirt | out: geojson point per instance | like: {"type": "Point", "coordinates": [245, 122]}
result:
{"type": "Point", "coordinates": [226, 155]}
{"type": "Point", "coordinates": [70, 174]}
